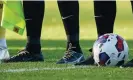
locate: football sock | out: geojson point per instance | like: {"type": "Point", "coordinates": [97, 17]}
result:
{"type": "Point", "coordinates": [34, 12]}
{"type": "Point", "coordinates": [69, 11]}
{"type": "Point", "coordinates": [3, 43]}
{"type": "Point", "coordinates": [33, 45]}
{"type": "Point", "coordinates": [105, 12]}
{"type": "Point", "coordinates": [33, 48]}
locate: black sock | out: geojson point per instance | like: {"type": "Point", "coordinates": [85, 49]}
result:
{"type": "Point", "coordinates": [105, 12]}
{"type": "Point", "coordinates": [34, 12]}
{"type": "Point", "coordinates": [33, 45]}
{"type": "Point", "coordinates": [33, 48]}
{"type": "Point", "coordinates": [69, 11]}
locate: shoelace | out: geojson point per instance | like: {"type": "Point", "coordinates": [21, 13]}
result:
{"type": "Point", "coordinates": [22, 53]}
{"type": "Point", "coordinates": [69, 52]}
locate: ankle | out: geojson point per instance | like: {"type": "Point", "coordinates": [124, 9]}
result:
{"type": "Point", "coordinates": [33, 48]}
{"type": "Point", "coordinates": [74, 46]}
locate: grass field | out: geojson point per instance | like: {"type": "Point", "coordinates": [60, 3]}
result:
{"type": "Point", "coordinates": [54, 43]}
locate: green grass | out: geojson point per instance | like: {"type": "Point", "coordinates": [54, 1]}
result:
{"type": "Point", "coordinates": [54, 43]}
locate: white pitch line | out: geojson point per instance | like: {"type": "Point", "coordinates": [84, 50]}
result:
{"type": "Point", "coordinates": [40, 69]}
{"type": "Point", "coordinates": [52, 48]}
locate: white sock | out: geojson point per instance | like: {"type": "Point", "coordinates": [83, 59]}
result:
{"type": "Point", "coordinates": [4, 54]}
{"type": "Point", "coordinates": [3, 43]}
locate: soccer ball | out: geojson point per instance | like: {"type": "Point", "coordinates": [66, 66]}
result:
{"type": "Point", "coordinates": [110, 50]}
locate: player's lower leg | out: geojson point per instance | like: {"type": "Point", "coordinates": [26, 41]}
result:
{"type": "Point", "coordinates": [34, 12]}
{"type": "Point", "coordinates": [69, 11]}
{"type": "Point", "coordinates": [4, 54]}
{"type": "Point", "coordinates": [105, 12]}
